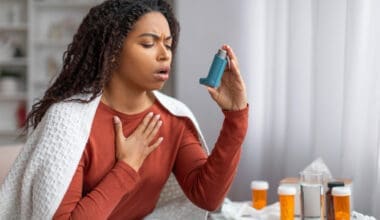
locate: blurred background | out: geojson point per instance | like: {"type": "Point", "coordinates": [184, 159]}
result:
{"type": "Point", "coordinates": [311, 68]}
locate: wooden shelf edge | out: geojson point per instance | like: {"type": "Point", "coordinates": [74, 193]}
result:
{"type": "Point", "coordinates": [13, 27]}
{"type": "Point", "coordinates": [14, 62]}
{"type": "Point", "coordinates": [11, 133]}
{"type": "Point", "coordinates": [13, 97]}
{"type": "Point", "coordinates": [62, 4]}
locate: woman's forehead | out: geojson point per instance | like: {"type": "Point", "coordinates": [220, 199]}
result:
{"type": "Point", "coordinates": [152, 22]}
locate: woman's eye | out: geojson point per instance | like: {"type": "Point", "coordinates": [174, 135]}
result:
{"type": "Point", "coordinates": [145, 45]}
{"type": "Point", "coordinates": [169, 47]}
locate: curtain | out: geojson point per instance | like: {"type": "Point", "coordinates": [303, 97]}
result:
{"type": "Point", "coordinates": [314, 88]}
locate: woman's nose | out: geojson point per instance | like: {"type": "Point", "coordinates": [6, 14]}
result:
{"type": "Point", "coordinates": [164, 53]}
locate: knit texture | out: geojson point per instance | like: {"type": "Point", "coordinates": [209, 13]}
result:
{"type": "Point", "coordinates": [42, 172]}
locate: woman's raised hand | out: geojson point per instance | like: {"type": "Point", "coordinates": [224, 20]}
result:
{"type": "Point", "coordinates": [231, 94]}
{"type": "Point", "coordinates": [134, 149]}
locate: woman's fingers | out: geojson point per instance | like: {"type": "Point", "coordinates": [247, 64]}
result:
{"type": "Point", "coordinates": [141, 128]}
{"type": "Point", "coordinates": [136, 147]}
{"type": "Point", "coordinates": [148, 128]}
{"type": "Point", "coordinates": [233, 61]}
{"type": "Point", "coordinates": [154, 146]}
{"type": "Point", "coordinates": [154, 131]}
{"type": "Point", "coordinates": [151, 125]}
{"type": "Point", "coordinates": [230, 54]}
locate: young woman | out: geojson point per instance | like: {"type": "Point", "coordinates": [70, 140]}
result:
{"type": "Point", "coordinates": [105, 142]}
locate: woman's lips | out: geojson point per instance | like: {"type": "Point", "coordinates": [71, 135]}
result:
{"type": "Point", "coordinates": [161, 76]}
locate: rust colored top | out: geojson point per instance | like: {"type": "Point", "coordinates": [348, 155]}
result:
{"type": "Point", "coordinates": [104, 188]}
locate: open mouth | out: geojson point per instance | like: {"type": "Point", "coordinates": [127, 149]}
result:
{"type": "Point", "coordinates": [164, 70]}
{"type": "Point", "coordinates": [162, 73]}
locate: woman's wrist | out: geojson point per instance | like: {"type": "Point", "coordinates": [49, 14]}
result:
{"type": "Point", "coordinates": [134, 166]}
{"type": "Point", "coordinates": [236, 108]}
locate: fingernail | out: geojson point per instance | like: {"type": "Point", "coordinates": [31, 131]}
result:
{"type": "Point", "coordinates": [160, 138]}
{"type": "Point", "coordinates": [157, 116]}
{"type": "Point", "coordinates": [116, 119]}
{"type": "Point", "coordinates": [159, 123]}
{"type": "Point", "coordinates": [150, 114]}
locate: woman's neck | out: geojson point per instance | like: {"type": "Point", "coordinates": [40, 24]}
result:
{"type": "Point", "coordinates": [127, 101]}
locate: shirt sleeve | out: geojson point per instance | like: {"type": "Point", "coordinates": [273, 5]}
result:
{"type": "Point", "coordinates": [206, 180]}
{"type": "Point", "coordinates": [100, 202]}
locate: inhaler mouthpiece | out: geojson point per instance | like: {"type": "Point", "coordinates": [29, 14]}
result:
{"type": "Point", "coordinates": [222, 54]}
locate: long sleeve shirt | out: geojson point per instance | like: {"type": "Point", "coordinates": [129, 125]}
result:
{"type": "Point", "coordinates": [104, 188]}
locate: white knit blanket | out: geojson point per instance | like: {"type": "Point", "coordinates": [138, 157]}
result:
{"type": "Point", "coordinates": [42, 172]}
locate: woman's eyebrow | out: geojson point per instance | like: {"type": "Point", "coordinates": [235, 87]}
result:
{"type": "Point", "coordinates": [155, 36]}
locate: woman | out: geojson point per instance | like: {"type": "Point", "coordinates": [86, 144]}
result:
{"type": "Point", "coordinates": [105, 141]}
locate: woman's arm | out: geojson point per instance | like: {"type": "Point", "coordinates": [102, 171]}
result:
{"type": "Point", "coordinates": [100, 202]}
{"type": "Point", "coordinates": [206, 180]}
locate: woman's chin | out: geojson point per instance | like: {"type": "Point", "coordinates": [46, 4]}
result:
{"type": "Point", "coordinates": [157, 86]}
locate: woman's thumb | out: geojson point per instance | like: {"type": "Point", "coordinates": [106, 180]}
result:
{"type": "Point", "coordinates": [213, 92]}
{"type": "Point", "coordinates": [118, 126]}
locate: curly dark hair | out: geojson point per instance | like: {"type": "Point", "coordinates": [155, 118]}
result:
{"type": "Point", "coordinates": [94, 52]}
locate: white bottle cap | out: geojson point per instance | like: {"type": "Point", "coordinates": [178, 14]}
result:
{"type": "Point", "coordinates": [260, 185]}
{"type": "Point", "coordinates": [341, 191]}
{"type": "Point", "coordinates": [287, 190]}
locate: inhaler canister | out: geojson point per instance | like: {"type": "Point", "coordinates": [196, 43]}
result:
{"type": "Point", "coordinates": [216, 70]}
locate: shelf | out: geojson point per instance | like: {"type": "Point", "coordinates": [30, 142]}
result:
{"type": "Point", "coordinates": [53, 43]}
{"type": "Point", "coordinates": [13, 133]}
{"type": "Point", "coordinates": [63, 4]}
{"type": "Point", "coordinates": [14, 62]}
{"type": "Point", "coordinates": [19, 1]}
{"type": "Point", "coordinates": [13, 97]}
{"type": "Point", "coordinates": [13, 27]}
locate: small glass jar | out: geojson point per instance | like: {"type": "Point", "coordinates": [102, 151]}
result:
{"type": "Point", "coordinates": [312, 195]}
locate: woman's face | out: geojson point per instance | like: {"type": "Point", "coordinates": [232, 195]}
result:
{"type": "Point", "coordinates": [146, 55]}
